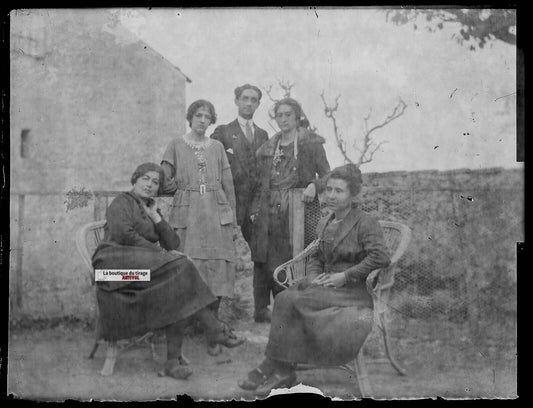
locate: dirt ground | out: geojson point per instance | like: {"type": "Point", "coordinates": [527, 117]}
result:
{"type": "Point", "coordinates": [52, 364]}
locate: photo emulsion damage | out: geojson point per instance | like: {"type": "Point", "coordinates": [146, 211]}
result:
{"type": "Point", "coordinates": [228, 204]}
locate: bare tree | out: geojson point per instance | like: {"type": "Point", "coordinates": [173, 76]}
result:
{"type": "Point", "coordinates": [368, 146]}
{"type": "Point", "coordinates": [286, 86]}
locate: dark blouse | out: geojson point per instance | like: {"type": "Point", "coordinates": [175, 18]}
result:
{"type": "Point", "coordinates": [283, 174]}
{"type": "Point", "coordinates": [128, 224]}
{"type": "Point", "coordinates": [132, 240]}
{"type": "Point", "coordinates": [355, 246]}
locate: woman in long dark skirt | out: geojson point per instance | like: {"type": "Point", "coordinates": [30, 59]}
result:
{"type": "Point", "coordinates": [326, 318]}
{"type": "Point", "coordinates": [137, 237]}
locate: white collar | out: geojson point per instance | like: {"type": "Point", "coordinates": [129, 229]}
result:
{"type": "Point", "coordinates": [243, 121]}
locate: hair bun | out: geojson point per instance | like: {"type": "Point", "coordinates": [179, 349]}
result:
{"type": "Point", "coordinates": [352, 166]}
{"type": "Point", "coordinates": [353, 169]}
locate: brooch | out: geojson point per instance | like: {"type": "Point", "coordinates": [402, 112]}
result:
{"type": "Point", "coordinates": [278, 154]}
{"type": "Point", "coordinates": [234, 136]}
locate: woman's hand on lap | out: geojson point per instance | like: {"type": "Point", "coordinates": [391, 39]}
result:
{"type": "Point", "coordinates": [332, 280]}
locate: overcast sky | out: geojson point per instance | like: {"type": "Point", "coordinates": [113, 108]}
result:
{"type": "Point", "coordinates": [460, 104]}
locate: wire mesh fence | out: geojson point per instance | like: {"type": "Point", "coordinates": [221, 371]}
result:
{"type": "Point", "coordinates": [456, 284]}
{"type": "Point", "coordinates": [458, 275]}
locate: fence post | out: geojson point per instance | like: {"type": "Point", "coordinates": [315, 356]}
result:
{"type": "Point", "coordinates": [100, 206]}
{"type": "Point", "coordinates": [296, 220]}
{"type": "Point", "coordinates": [20, 252]}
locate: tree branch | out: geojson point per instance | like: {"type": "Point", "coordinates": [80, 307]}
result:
{"type": "Point", "coordinates": [368, 145]}
{"type": "Point", "coordinates": [329, 111]}
{"type": "Point", "coordinates": [369, 156]}
{"type": "Point", "coordinates": [286, 86]}
{"type": "Point", "coordinates": [268, 91]}
{"type": "Point", "coordinates": [396, 113]}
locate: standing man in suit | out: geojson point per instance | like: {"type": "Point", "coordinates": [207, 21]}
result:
{"type": "Point", "coordinates": [241, 139]}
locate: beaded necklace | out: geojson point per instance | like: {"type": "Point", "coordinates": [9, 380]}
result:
{"type": "Point", "coordinates": [199, 149]}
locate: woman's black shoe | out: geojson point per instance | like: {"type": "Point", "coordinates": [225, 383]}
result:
{"type": "Point", "coordinates": [227, 338]}
{"type": "Point", "coordinates": [263, 316]}
{"type": "Point", "coordinates": [276, 380]}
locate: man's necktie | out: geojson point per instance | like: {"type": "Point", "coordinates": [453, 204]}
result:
{"type": "Point", "coordinates": [249, 133]}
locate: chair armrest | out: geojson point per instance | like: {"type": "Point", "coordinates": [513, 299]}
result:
{"type": "Point", "coordinates": [370, 282]}
{"type": "Point", "coordinates": [376, 290]}
{"type": "Point", "coordinates": [82, 249]}
{"type": "Point", "coordinates": [288, 267]}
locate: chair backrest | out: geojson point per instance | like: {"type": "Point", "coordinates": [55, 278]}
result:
{"type": "Point", "coordinates": [397, 237]}
{"type": "Point", "coordinates": [87, 239]}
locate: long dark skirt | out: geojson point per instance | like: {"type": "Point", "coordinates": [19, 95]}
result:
{"type": "Point", "coordinates": [279, 248]}
{"type": "Point", "coordinates": [175, 291]}
{"type": "Point", "coordinates": [318, 325]}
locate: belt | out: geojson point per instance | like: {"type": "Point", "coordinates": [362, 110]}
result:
{"type": "Point", "coordinates": [202, 188]}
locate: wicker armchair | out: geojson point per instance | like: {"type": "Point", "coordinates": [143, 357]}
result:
{"type": "Point", "coordinates": [378, 282]}
{"type": "Point", "coordinates": [87, 239]}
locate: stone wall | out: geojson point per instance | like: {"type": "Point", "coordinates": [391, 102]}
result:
{"type": "Point", "coordinates": [461, 263]}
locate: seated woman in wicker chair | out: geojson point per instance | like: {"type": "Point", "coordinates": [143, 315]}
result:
{"type": "Point", "coordinates": [175, 291]}
{"type": "Point", "coordinates": [325, 318]}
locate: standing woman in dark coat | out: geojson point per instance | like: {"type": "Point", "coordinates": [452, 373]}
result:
{"type": "Point", "coordinates": [292, 158]}
{"type": "Point", "coordinates": [325, 318]}
{"type": "Point", "coordinates": [137, 237]}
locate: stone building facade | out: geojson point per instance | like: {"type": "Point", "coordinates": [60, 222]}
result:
{"type": "Point", "coordinates": [89, 101]}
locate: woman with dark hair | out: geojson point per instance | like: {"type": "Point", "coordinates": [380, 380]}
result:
{"type": "Point", "coordinates": [292, 158]}
{"type": "Point", "coordinates": [137, 237]}
{"type": "Point", "coordinates": [325, 318]}
{"type": "Point", "coordinates": [203, 211]}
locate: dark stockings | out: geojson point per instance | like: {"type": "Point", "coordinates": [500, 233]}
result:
{"type": "Point", "coordinates": [209, 321]}
{"type": "Point", "coordinates": [174, 334]}
{"type": "Point", "coordinates": [215, 306]}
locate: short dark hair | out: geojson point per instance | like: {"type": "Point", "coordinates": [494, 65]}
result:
{"type": "Point", "coordinates": [145, 168]}
{"type": "Point", "coordinates": [351, 174]}
{"type": "Point", "coordinates": [240, 89]}
{"type": "Point", "coordinates": [201, 103]}
{"type": "Point", "coordinates": [294, 104]}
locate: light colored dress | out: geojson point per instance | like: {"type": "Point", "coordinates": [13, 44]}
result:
{"type": "Point", "coordinates": [203, 209]}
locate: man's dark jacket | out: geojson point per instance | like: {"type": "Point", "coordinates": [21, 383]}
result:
{"type": "Point", "coordinates": [243, 162]}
